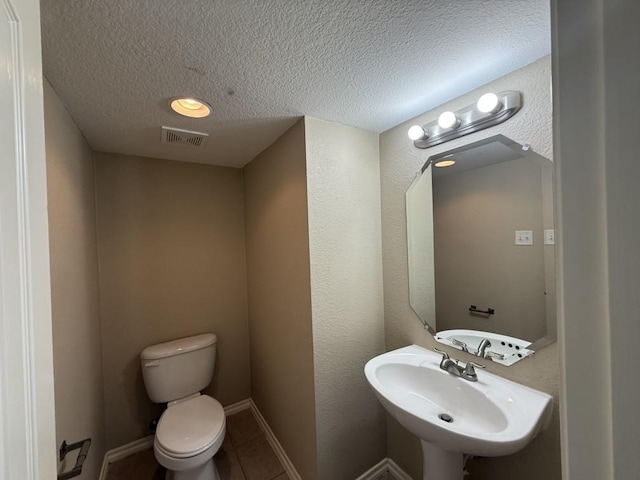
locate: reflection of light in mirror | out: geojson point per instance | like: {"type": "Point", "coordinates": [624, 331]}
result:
{"type": "Point", "coordinates": [445, 163]}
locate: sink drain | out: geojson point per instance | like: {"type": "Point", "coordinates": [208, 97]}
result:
{"type": "Point", "coordinates": [445, 418]}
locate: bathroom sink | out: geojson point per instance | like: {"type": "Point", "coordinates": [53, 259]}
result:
{"type": "Point", "coordinates": [490, 417]}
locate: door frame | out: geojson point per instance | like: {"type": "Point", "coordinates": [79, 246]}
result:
{"type": "Point", "coordinates": [27, 412]}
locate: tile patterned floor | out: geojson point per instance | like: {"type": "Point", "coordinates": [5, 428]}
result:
{"type": "Point", "coordinates": [387, 476]}
{"type": "Point", "coordinates": [245, 455]}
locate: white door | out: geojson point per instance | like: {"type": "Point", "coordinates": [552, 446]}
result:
{"type": "Point", "coordinates": [27, 425]}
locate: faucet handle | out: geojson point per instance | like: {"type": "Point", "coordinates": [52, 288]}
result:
{"type": "Point", "coordinates": [445, 355]}
{"type": "Point", "coordinates": [470, 370]}
{"type": "Point", "coordinates": [491, 355]}
{"type": "Point", "coordinates": [463, 346]}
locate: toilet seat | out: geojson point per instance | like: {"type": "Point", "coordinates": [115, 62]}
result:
{"type": "Point", "coordinates": [188, 428]}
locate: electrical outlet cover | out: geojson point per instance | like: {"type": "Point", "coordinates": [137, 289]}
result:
{"type": "Point", "coordinates": [524, 237]}
{"type": "Point", "coordinates": [549, 237]}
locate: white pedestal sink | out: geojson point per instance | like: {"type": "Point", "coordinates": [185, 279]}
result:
{"type": "Point", "coordinates": [453, 416]}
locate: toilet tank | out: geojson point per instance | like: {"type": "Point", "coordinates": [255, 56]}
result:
{"type": "Point", "coordinates": [179, 368]}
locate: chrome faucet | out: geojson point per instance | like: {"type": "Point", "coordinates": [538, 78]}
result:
{"type": "Point", "coordinates": [462, 345]}
{"type": "Point", "coordinates": [467, 372]}
{"type": "Point", "coordinates": [482, 348]}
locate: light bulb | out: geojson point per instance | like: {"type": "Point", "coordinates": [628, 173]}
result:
{"type": "Point", "coordinates": [191, 107]}
{"type": "Point", "coordinates": [448, 120]}
{"type": "Point", "coordinates": [488, 103]}
{"type": "Point", "coordinates": [190, 103]}
{"type": "Point", "coordinates": [416, 132]}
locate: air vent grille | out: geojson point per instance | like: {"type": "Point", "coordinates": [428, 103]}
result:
{"type": "Point", "coordinates": [176, 136]}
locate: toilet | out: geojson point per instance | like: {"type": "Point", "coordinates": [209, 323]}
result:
{"type": "Point", "coordinates": [192, 428]}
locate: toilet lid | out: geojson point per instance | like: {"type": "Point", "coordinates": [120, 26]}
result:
{"type": "Point", "coordinates": [190, 427]}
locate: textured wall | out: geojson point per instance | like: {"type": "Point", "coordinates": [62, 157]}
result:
{"type": "Point", "coordinates": [343, 181]}
{"type": "Point", "coordinates": [77, 348]}
{"type": "Point", "coordinates": [399, 163]}
{"type": "Point", "coordinates": [282, 383]}
{"type": "Point", "coordinates": [172, 264]}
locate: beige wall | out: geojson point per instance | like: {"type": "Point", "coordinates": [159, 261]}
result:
{"type": "Point", "coordinates": [74, 285]}
{"type": "Point", "coordinates": [172, 264]}
{"type": "Point", "coordinates": [343, 182]}
{"type": "Point", "coordinates": [400, 161]}
{"type": "Point", "coordinates": [282, 384]}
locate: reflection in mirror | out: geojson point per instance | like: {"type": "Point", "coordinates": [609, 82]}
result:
{"type": "Point", "coordinates": [481, 249]}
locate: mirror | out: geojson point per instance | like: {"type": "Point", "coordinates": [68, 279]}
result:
{"type": "Point", "coordinates": [481, 249]}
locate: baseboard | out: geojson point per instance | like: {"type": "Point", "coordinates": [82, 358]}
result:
{"type": "Point", "coordinates": [379, 469]}
{"type": "Point", "coordinates": [275, 444]}
{"type": "Point", "coordinates": [237, 407]}
{"type": "Point", "coordinates": [397, 472]}
{"type": "Point", "coordinates": [376, 471]}
{"type": "Point", "coordinates": [124, 451]}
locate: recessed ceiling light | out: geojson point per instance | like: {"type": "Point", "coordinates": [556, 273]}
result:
{"type": "Point", "coordinates": [445, 163]}
{"type": "Point", "coordinates": [191, 107]}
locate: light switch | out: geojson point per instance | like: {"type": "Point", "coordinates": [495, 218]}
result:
{"type": "Point", "coordinates": [549, 237]}
{"type": "Point", "coordinates": [524, 237]}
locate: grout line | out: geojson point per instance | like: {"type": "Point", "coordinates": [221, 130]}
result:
{"type": "Point", "coordinates": [246, 441]}
{"type": "Point", "coordinates": [263, 434]}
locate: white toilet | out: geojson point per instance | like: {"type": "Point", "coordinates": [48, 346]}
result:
{"type": "Point", "coordinates": [192, 428]}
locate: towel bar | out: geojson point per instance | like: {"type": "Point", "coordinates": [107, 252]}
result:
{"type": "Point", "coordinates": [488, 311]}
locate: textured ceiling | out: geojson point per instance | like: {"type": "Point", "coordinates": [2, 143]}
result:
{"type": "Point", "coordinates": [262, 64]}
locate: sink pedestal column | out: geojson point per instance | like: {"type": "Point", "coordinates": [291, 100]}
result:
{"type": "Point", "coordinates": [439, 464]}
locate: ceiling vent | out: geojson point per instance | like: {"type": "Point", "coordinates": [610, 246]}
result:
{"type": "Point", "coordinates": [176, 136]}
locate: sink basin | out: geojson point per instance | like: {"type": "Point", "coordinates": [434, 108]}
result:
{"type": "Point", "coordinates": [490, 417]}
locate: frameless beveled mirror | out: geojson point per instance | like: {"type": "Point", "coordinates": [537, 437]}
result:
{"type": "Point", "coordinates": [481, 249]}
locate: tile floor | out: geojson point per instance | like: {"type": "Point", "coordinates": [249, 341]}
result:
{"type": "Point", "coordinates": [245, 455]}
{"type": "Point", "coordinates": [387, 476]}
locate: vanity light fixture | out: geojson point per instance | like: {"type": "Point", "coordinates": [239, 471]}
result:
{"type": "Point", "coordinates": [491, 109]}
{"type": "Point", "coordinates": [190, 107]}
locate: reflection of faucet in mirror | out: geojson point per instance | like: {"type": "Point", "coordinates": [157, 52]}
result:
{"type": "Point", "coordinates": [493, 355]}
{"type": "Point", "coordinates": [462, 345]}
{"type": "Point", "coordinates": [482, 348]}
{"type": "Point", "coordinates": [491, 346]}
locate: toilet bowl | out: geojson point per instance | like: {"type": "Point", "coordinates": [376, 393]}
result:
{"type": "Point", "coordinates": [189, 434]}
{"type": "Point", "coordinates": [192, 428]}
